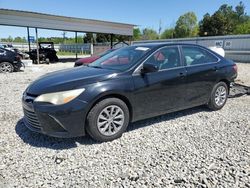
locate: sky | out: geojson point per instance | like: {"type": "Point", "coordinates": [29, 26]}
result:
{"type": "Point", "coordinates": [144, 13]}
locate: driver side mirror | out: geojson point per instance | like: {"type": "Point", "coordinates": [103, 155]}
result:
{"type": "Point", "coordinates": [147, 68]}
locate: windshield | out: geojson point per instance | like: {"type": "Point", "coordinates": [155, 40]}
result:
{"type": "Point", "coordinates": [121, 59]}
{"type": "Point", "coordinates": [104, 53]}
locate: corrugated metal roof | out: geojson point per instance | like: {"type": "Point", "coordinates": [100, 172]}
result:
{"type": "Point", "coordinates": [48, 21]}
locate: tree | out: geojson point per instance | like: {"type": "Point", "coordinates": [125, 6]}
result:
{"type": "Point", "coordinates": [205, 26]}
{"type": "Point", "coordinates": [19, 39]}
{"type": "Point", "coordinates": [224, 21]}
{"type": "Point", "coordinates": [243, 28]}
{"type": "Point", "coordinates": [168, 34]}
{"type": "Point", "coordinates": [9, 39]}
{"type": "Point", "coordinates": [240, 10]}
{"type": "Point", "coordinates": [88, 38]}
{"type": "Point", "coordinates": [149, 34]}
{"type": "Point", "coordinates": [102, 38]}
{"type": "Point", "coordinates": [136, 34]}
{"type": "Point", "coordinates": [186, 25]}
{"type": "Point", "coordinates": [219, 23]}
{"type": "Point", "coordinates": [119, 38]}
{"type": "Point", "coordinates": [214, 25]}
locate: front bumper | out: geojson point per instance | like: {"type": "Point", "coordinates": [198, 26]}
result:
{"type": "Point", "coordinates": [62, 121]}
{"type": "Point", "coordinates": [18, 65]}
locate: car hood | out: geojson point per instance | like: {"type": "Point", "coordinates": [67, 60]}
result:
{"type": "Point", "coordinates": [68, 79]}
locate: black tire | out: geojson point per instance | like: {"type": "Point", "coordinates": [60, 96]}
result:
{"type": "Point", "coordinates": [92, 119]}
{"type": "Point", "coordinates": [212, 101]}
{"type": "Point", "coordinates": [6, 67]}
{"type": "Point", "coordinates": [34, 61]}
{"type": "Point", "coordinates": [47, 60]}
{"type": "Point", "coordinates": [56, 59]}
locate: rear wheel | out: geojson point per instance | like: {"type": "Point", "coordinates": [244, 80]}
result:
{"type": "Point", "coordinates": [47, 60]}
{"type": "Point", "coordinates": [56, 59]}
{"type": "Point", "coordinates": [108, 119]}
{"type": "Point", "coordinates": [34, 61]}
{"type": "Point", "coordinates": [6, 67]}
{"type": "Point", "coordinates": [218, 96]}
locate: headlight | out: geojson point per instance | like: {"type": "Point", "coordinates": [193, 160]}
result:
{"type": "Point", "coordinates": [62, 97]}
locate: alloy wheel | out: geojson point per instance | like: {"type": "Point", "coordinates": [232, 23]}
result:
{"type": "Point", "coordinates": [110, 120]}
{"type": "Point", "coordinates": [220, 95]}
{"type": "Point", "coordinates": [5, 67]}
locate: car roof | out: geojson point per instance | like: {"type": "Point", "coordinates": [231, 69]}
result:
{"type": "Point", "coordinates": [161, 44]}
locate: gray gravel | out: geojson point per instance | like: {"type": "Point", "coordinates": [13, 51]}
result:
{"type": "Point", "coordinates": [191, 148]}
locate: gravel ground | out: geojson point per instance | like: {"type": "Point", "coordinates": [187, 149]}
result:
{"type": "Point", "coordinates": [191, 148]}
{"type": "Point", "coordinates": [244, 74]}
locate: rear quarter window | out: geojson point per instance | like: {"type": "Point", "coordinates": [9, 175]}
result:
{"type": "Point", "coordinates": [197, 56]}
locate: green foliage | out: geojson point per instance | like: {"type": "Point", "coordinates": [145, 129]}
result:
{"type": "Point", "coordinates": [168, 34]}
{"type": "Point", "coordinates": [224, 21]}
{"type": "Point", "coordinates": [214, 25]}
{"type": "Point", "coordinates": [243, 28]}
{"type": "Point", "coordinates": [88, 38]}
{"type": "Point", "coordinates": [137, 34]}
{"type": "Point", "coordinates": [118, 38]}
{"type": "Point", "coordinates": [102, 38]}
{"type": "Point", "coordinates": [186, 25]}
{"type": "Point", "coordinates": [60, 40]}
{"type": "Point", "coordinates": [17, 39]}
{"type": "Point", "coordinates": [149, 34]}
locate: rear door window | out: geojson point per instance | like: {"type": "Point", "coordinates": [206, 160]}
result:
{"type": "Point", "coordinates": [197, 56]}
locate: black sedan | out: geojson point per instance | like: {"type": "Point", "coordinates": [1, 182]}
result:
{"type": "Point", "coordinates": [124, 86]}
{"type": "Point", "coordinates": [9, 61]}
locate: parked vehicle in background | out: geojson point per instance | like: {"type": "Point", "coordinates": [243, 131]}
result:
{"type": "Point", "coordinates": [9, 61]}
{"type": "Point", "coordinates": [127, 85]}
{"type": "Point", "coordinates": [11, 48]}
{"type": "Point", "coordinates": [47, 53]}
{"type": "Point", "coordinates": [88, 60]}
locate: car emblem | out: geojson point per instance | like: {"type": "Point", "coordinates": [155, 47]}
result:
{"type": "Point", "coordinates": [28, 99]}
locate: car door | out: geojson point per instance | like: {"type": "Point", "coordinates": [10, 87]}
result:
{"type": "Point", "coordinates": [202, 73]}
{"type": "Point", "coordinates": [161, 91]}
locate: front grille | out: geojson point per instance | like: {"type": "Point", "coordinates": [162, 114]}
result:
{"type": "Point", "coordinates": [31, 118]}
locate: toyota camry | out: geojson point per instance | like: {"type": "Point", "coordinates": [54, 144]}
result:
{"type": "Point", "coordinates": [124, 86]}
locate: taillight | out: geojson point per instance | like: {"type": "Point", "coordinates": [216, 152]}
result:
{"type": "Point", "coordinates": [235, 68]}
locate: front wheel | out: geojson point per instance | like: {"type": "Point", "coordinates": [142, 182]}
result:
{"type": "Point", "coordinates": [6, 67]}
{"type": "Point", "coordinates": [107, 120]}
{"type": "Point", "coordinates": [218, 96]}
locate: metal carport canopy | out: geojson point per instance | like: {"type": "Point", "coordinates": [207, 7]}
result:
{"type": "Point", "coordinates": [47, 21]}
